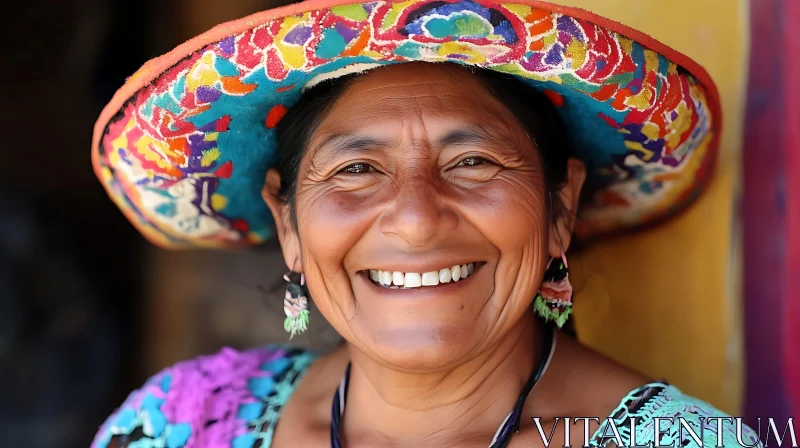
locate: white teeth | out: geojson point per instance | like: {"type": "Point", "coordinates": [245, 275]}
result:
{"type": "Point", "coordinates": [455, 272]}
{"type": "Point", "coordinates": [430, 278]}
{"type": "Point", "coordinates": [413, 280]}
{"type": "Point", "coordinates": [397, 279]}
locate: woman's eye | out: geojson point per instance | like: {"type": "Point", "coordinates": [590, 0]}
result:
{"type": "Point", "coordinates": [357, 168]}
{"type": "Point", "coordinates": [472, 161]}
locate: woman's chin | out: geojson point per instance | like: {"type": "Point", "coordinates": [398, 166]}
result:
{"type": "Point", "coordinates": [422, 346]}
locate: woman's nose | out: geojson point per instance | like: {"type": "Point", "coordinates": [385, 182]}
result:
{"type": "Point", "coordinates": [419, 214]}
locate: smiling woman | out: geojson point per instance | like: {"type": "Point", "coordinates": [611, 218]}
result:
{"type": "Point", "coordinates": [426, 209]}
{"type": "Point", "coordinates": [416, 178]}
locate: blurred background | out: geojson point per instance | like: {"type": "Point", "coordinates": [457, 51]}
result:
{"type": "Point", "coordinates": [89, 310]}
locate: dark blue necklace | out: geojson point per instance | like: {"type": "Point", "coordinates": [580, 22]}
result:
{"type": "Point", "coordinates": [507, 429]}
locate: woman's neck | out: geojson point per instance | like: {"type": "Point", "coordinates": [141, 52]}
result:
{"type": "Point", "coordinates": [447, 408]}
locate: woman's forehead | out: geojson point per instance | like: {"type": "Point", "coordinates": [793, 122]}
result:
{"type": "Point", "coordinates": [443, 95]}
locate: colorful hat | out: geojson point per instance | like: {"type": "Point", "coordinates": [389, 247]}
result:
{"type": "Point", "coordinates": [184, 145]}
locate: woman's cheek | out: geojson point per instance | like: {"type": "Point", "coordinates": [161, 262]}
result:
{"type": "Point", "coordinates": [509, 210]}
{"type": "Point", "coordinates": [511, 214]}
{"type": "Point", "coordinates": [331, 223]}
{"type": "Point", "coordinates": [329, 218]}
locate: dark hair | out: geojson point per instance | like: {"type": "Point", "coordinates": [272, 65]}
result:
{"type": "Point", "coordinates": [532, 108]}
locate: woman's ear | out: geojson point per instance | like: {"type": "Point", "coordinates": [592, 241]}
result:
{"type": "Point", "coordinates": [561, 228]}
{"type": "Point", "coordinates": [281, 213]}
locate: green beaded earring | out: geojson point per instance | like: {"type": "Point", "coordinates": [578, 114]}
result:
{"type": "Point", "coordinates": [295, 304]}
{"type": "Point", "coordinates": [554, 300]}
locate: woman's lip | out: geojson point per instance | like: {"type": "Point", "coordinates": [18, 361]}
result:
{"type": "Point", "coordinates": [420, 268]}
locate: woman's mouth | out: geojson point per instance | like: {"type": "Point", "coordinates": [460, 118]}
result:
{"type": "Point", "coordinates": [408, 280]}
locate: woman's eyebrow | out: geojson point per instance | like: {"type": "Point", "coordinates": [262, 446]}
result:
{"type": "Point", "coordinates": [471, 135]}
{"type": "Point", "coordinates": [468, 135]}
{"type": "Point", "coordinates": [339, 143]}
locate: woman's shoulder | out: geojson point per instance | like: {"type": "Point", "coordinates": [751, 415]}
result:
{"type": "Point", "coordinates": [231, 399]}
{"type": "Point", "coordinates": [682, 421]}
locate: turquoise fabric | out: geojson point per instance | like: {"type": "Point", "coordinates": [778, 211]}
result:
{"type": "Point", "coordinates": [235, 399]}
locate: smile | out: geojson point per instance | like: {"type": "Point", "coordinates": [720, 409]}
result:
{"type": "Point", "coordinates": [407, 280]}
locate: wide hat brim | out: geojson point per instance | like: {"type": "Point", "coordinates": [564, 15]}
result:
{"type": "Point", "coordinates": [184, 145]}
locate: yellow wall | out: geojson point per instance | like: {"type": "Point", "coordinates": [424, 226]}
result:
{"type": "Point", "coordinates": [667, 301]}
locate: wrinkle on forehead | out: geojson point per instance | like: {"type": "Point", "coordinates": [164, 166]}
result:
{"type": "Point", "coordinates": [420, 83]}
{"type": "Point", "coordinates": [413, 92]}
{"type": "Point", "coordinates": [435, 98]}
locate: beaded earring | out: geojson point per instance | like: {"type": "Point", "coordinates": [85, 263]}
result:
{"type": "Point", "coordinates": [295, 304]}
{"type": "Point", "coordinates": [554, 300]}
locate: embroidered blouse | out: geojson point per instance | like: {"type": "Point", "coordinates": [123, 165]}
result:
{"type": "Point", "coordinates": [234, 399]}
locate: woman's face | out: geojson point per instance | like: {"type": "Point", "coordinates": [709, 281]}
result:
{"type": "Point", "coordinates": [416, 169]}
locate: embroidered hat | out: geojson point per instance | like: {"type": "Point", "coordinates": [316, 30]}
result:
{"type": "Point", "coordinates": [184, 145]}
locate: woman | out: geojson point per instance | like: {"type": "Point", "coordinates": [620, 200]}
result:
{"type": "Point", "coordinates": [426, 209]}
